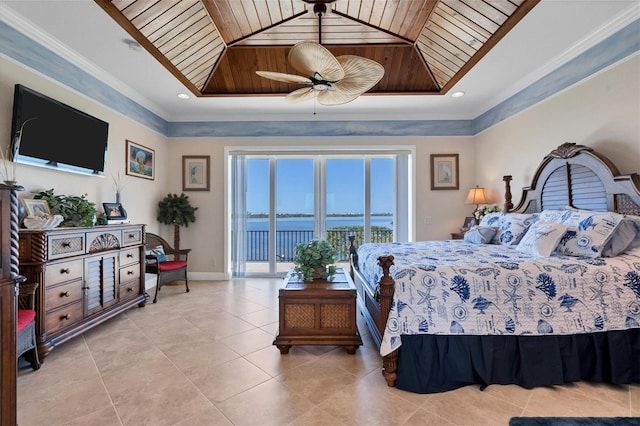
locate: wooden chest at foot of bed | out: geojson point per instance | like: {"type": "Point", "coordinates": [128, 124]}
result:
{"type": "Point", "coordinates": [318, 313]}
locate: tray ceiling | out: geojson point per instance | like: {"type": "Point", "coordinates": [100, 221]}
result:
{"type": "Point", "coordinates": [214, 47]}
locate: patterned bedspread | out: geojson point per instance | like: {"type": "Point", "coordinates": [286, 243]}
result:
{"type": "Point", "coordinates": [454, 287]}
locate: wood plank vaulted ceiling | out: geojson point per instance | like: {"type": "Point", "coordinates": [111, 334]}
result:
{"type": "Point", "coordinates": [214, 47]}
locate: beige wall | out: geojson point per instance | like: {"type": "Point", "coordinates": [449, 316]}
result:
{"type": "Point", "coordinates": [437, 213]}
{"type": "Point", "coordinates": [139, 197]}
{"type": "Point", "coordinates": [602, 112]}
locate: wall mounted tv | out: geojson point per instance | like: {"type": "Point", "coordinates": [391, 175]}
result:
{"type": "Point", "coordinates": [55, 135]}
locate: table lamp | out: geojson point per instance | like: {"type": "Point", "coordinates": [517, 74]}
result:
{"type": "Point", "coordinates": [476, 196]}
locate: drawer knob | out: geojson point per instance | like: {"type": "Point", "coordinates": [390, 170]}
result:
{"type": "Point", "coordinates": [129, 255]}
{"type": "Point", "coordinates": [66, 317]}
{"type": "Point", "coordinates": [65, 294]}
{"type": "Point", "coordinates": [131, 236]}
{"type": "Point", "coordinates": [66, 244]}
{"type": "Point", "coordinates": [65, 271]}
{"type": "Point", "coordinates": [129, 289]}
{"type": "Point", "coordinates": [129, 272]}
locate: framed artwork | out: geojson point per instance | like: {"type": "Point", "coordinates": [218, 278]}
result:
{"type": "Point", "coordinates": [469, 222]}
{"type": "Point", "coordinates": [36, 207]}
{"type": "Point", "coordinates": [114, 211]}
{"type": "Point", "coordinates": [195, 172]}
{"type": "Point", "coordinates": [140, 161]}
{"type": "Point", "coordinates": [444, 171]}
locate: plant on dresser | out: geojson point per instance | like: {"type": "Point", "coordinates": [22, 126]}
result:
{"type": "Point", "coordinates": [76, 210]}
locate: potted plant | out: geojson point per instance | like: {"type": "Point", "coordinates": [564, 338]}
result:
{"type": "Point", "coordinates": [76, 210]}
{"type": "Point", "coordinates": [176, 210]}
{"type": "Point", "coordinates": [315, 260]}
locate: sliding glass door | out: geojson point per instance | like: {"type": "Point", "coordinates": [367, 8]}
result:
{"type": "Point", "coordinates": [281, 200]}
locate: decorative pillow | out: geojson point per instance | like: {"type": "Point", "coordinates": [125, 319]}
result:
{"type": "Point", "coordinates": [511, 226]}
{"type": "Point", "coordinates": [480, 234]}
{"type": "Point", "coordinates": [491, 219]}
{"type": "Point", "coordinates": [542, 238]}
{"type": "Point", "coordinates": [157, 251]}
{"type": "Point", "coordinates": [558, 216]}
{"type": "Point", "coordinates": [588, 232]}
{"type": "Point", "coordinates": [625, 237]}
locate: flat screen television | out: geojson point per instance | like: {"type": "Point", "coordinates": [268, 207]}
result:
{"type": "Point", "coordinates": [48, 133]}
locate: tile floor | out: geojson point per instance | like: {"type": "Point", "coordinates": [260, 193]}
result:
{"type": "Point", "coordinates": [206, 358]}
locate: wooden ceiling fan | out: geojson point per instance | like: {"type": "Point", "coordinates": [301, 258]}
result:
{"type": "Point", "coordinates": [332, 80]}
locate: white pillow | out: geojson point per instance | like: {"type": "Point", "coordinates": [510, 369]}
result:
{"type": "Point", "coordinates": [588, 232]}
{"type": "Point", "coordinates": [542, 238]}
{"type": "Point", "coordinates": [480, 234]}
{"type": "Point", "coordinates": [511, 226]}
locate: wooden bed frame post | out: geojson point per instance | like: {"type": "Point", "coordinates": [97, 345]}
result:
{"type": "Point", "coordinates": [387, 288]}
{"type": "Point", "coordinates": [508, 205]}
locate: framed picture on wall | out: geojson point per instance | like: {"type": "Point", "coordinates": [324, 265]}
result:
{"type": "Point", "coordinates": [195, 173]}
{"type": "Point", "coordinates": [444, 171]}
{"type": "Point", "coordinates": [140, 161]}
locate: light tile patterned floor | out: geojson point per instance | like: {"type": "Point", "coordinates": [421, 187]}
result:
{"type": "Point", "coordinates": [206, 358]}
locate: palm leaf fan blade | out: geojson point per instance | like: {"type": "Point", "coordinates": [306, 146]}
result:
{"type": "Point", "coordinates": [309, 57]}
{"type": "Point", "coordinates": [286, 78]}
{"type": "Point", "coordinates": [335, 97]}
{"type": "Point", "coordinates": [301, 95]}
{"type": "Point", "coordinates": [361, 74]}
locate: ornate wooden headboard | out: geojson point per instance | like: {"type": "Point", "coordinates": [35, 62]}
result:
{"type": "Point", "coordinates": [577, 176]}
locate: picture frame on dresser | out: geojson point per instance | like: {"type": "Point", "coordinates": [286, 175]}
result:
{"type": "Point", "coordinates": [36, 207]}
{"type": "Point", "coordinates": [444, 172]}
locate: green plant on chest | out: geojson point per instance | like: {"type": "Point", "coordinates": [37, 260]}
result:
{"type": "Point", "coordinates": [315, 260]}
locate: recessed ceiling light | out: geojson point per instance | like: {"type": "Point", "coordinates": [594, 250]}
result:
{"type": "Point", "coordinates": [457, 94]}
{"type": "Point", "coordinates": [183, 96]}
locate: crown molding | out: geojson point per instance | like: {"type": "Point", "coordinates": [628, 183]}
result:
{"type": "Point", "coordinates": [16, 21]}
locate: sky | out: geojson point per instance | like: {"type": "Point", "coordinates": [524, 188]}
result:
{"type": "Point", "coordinates": [345, 185]}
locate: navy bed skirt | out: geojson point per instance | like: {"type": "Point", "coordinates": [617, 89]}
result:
{"type": "Point", "coordinates": [436, 363]}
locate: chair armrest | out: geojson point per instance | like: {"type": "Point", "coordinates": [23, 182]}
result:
{"type": "Point", "coordinates": [27, 296]}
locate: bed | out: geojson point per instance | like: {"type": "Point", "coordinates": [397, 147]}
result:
{"type": "Point", "coordinates": [545, 293]}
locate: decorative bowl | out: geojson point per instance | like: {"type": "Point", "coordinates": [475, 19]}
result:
{"type": "Point", "coordinates": [51, 222]}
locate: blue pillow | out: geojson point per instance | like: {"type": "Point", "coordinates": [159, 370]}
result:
{"type": "Point", "coordinates": [480, 234]}
{"type": "Point", "coordinates": [157, 251]}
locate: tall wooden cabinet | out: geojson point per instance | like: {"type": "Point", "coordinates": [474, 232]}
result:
{"type": "Point", "coordinates": [86, 276]}
{"type": "Point", "coordinates": [9, 280]}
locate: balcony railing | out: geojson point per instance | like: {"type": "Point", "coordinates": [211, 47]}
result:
{"type": "Point", "coordinates": [258, 242]}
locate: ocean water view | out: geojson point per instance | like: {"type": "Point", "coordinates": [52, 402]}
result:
{"type": "Point", "coordinates": [293, 230]}
{"type": "Point", "coordinates": [307, 223]}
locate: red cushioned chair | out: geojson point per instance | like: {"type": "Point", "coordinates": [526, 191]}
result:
{"type": "Point", "coordinates": [26, 325]}
{"type": "Point", "coordinates": [172, 267]}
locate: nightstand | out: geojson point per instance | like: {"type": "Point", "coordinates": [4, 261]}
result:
{"type": "Point", "coordinates": [457, 235]}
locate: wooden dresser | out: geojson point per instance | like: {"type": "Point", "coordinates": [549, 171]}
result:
{"type": "Point", "coordinates": [9, 279]}
{"type": "Point", "coordinates": [86, 276]}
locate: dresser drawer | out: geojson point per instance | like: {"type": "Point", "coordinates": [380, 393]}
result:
{"type": "Point", "coordinates": [57, 273]}
{"type": "Point", "coordinates": [129, 290]}
{"type": "Point", "coordinates": [63, 317]}
{"type": "Point", "coordinates": [65, 245]}
{"type": "Point", "coordinates": [63, 294]}
{"type": "Point", "coordinates": [127, 257]}
{"type": "Point", "coordinates": [130, 273]}
{"type": "Point", "coordinates": [131, 236]}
